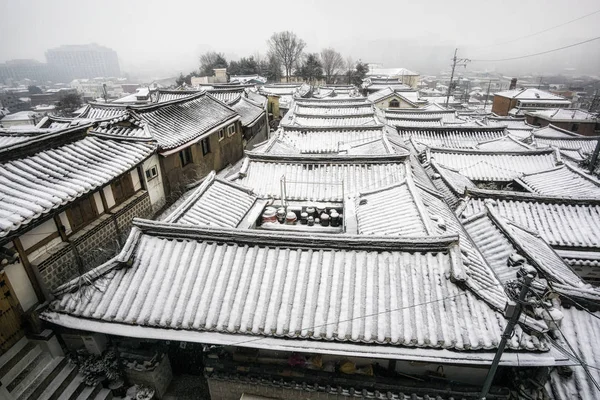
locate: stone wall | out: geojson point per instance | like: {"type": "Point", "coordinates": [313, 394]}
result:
{"type": "Point", "coordinates": [95, 244]}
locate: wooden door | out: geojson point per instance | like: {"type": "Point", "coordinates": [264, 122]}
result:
{"type": "Point", "coordinates": [10, 315]}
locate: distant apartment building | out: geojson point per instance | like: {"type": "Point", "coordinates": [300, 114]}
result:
{"type": "Point", "coordinates": [518, 101]}
{"type": "Point", "coordinates": [17, 70]}
{"type": "Point", "coordinates": [84, 61]}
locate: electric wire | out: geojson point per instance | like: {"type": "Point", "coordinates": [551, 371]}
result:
{"type": "Point", "coordinates": [537, 33]}
{"type": "Point", "coordinates": [537, 54]}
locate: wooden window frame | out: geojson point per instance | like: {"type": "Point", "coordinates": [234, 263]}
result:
{"type": "Point", "coordinates": [221, 134]}
{"type": "Point", "coordinates": [149, 178]}
{"type": "Point", "coordinates": [231, 130]}
{"type": "Point", "coordinates": [69, 211]}
{"type": "Point", "coordinates": [128, 189]}
{"type": "Point", "coordinates": [205, 143]}
{"type": "Point", "coordinates": [186, 154]}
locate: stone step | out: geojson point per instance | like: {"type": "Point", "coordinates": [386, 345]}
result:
{"type": "Point", "coordinates": [74, 389]}
{"type": "Point", "coordinates": [29, 370]}
{"type": "Point", "coordinates": [104, 394]}
{"type": "Point", "coordinates": [58, 385]}
{"type": "Point", "coordinates": [35, 387]}
{"type": "Point", "coordinates": [11, 354]}
{"type": "Point", "coordinates": [89, 392]}
{"type": "Point", "coordinates": [23, 359]}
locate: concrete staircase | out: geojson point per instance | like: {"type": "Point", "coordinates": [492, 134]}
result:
{"type": "Point", "coordinates": [29, 373]}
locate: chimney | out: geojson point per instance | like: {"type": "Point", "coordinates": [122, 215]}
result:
{"type": "Point", "coordinates": [513, 84]}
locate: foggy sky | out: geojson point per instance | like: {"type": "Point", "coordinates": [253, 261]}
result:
{"type": "Point", "coordinates": [162, 38]}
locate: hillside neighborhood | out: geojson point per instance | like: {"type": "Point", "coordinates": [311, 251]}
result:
{"type": "Point", "coordinates": [359, 232]}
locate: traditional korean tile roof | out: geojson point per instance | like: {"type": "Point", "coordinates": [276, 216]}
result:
{"type": "Point", "coordinates": [337, 121]}
{"type": "Point", "coordinates": [228, 96]}
{"type": "Point", "coordinates": [164, 95]}
{"type": "Point", "coordinates": [449, 182]}
{"type": "Point", "coordinates": [417, 123]}
{"type": "Point", "coordinates": [333, 110]}
{"type": "Point", "coordinates": [279, 89]}
{"type": "Point", "coordinates": [452, 137]}
{"type": "Point", "coordinates": [564, 181]}
{"type": "Point", "coordinates": [95, 111]}
{"type": "Point", "coordinates": [319, 178]}
{"type": "Point", "coordinates": [10, 137]}
{"type": "Point", "coordinates": [564, 140]}
{"type": "Point", "coordinates": [509, 122]}
{"type": "Point", "coordinates": [43, 175]}
{"type": "Point", "coordinates": [178, 122]}
{"type": "Point", "coordinates": [257, 98]}
{"type": "Point", "coordinates": [335, 101]}
{"type": "Point", "coordinates": [379, 85]}
{"type": "Point", "coordinates": [447, 117]}
{"type": "Point", "coordinates": [530, 94]}
{"type": "Point", "coordinates": [261, 284]}
{"type": "Point", "coordinates": [580, 327]}
{"type": "Point", "coordinates": [321, 140]}
{"type": "Point", "coordinates": [554, 132]}
{"type": "Point", "coordinates": [499, 238]}
{"type": "Point", "coordinates": [479, 165]}
{"type": "Point", "coordinates": [559, 221]}
{"type": "Point", "coordinates": [564, 115]}
{"type": "Point", "coordinates": [216, 202]}
{"type": "Point", "coordinates": [249, 111]}
{"type": "Point", "coordinates": [506, 143]}
{"type": "Point", "coordinates": [125, 126]}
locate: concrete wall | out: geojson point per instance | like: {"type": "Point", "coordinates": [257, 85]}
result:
{"type": "Point", "coordinates": [229, 150]}
{"type": "Point", "coordinates": [21, 285]}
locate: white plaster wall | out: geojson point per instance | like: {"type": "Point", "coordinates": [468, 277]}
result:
{"type": "Point", "coordinates": [155, 186]}
{"type": "Point", "coordinates": [65, 222]}
{"type": "Point", "coordinates": [98, 201]}
{"type": "Point", "coordinates": [21, 285]}
{"type": "Point", "coordinates": [37, 234]}
{"type": "Point", "coordinates": [135, 178]}
{"type": "Point", "coordinates": [110, 199]}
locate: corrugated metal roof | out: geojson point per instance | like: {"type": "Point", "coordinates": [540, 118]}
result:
{"type": "Point", "coordinates": [480, 165]}
{"type": "Point", "coordinates": [178, 122]}
{"type": "Point", "coordinates": [291, 286]}
{"type": "Point", "coordinates": [34, 185]}
{"type": "Point", "coordinates": [324, 179]}
{"type": "Point", "coordinates": [562, 181]}
{"type": "Point", "coordinates": [215, 202]}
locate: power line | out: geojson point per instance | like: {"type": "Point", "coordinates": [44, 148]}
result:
{"type": "Point", "coordinates": [538, 54]}
{"type": "Point", "coordinates": [539, 32]}
{"type": "Point", "coordinates": [378, 313]}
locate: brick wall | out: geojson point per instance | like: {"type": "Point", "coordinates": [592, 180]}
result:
{"type": "Point", "coordinates": [96, 243]}
{"type": "Point", "coordinates": [502, 105]}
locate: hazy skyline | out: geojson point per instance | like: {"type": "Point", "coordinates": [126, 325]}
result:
{"type": "Point", "coordinates": [163, 38]}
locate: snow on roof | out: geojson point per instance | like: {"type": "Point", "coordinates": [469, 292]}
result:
{"type": "Point", "coordinates": [554, 132]}
{"type": "Point", "coordinates": [391, 72]}
{"type": "Point", "coordinates": [334, 121]}
{"type": "Point", "coordinates": [561, 181]}
{"type": "Point", "coordinates": [557, 219]}
{"type": "Point", "coordinates": [249, 111]}
{"type": "Point", "coordinates": [163, 95]}
{"type": "Point", "coordinates": [95, 111]}
{"type": "Point", "coordinates": [333, 101]}
{"type": "Point", "coordinates": [419, 122]}
{"type": "Point", "coordinates": [449, 183]}
{"type": "Point", "coordinates": [530, 94]}
{"type": "Point", "coordinates": [585, 144]}
{"type": "Point", "coordinates": [511, 123]}
{"type": "Point", "coordinates": [410, 96]}
{"type": "Point", "coordinates": [479, 165]}
{"type": "Point", "coordinates": [10, 136]}
{"type": "Point", "coordinates": [280, 89]}
{"type": "Point", "coordinates": [127, 125]}
{"type": "Point", "coordinates": [447, 116]}
{"type": "Point", "coordinates": [228, 96]}
{"type": "Point", "coordinates": [499, 238]}
{"type": "Point", "coordinates": [216, 202]}
{"type": "Point", "coordinates": [564, 115]}
{"type": "Point", "coordinates": [44, 175]}
{"type": "Point", "coordinates": [333, 110]}
{"type": "Point", "coordinates": [319, 178]}
{"type": "Point", "coordinates": [178, 122]}
{"type": "Point", "coordinates": [456, 137]}
{"type": "Point", "coordinates": [263, 284]}
{"type": "Point", "coordinates": [257, 98]}
{"type": "Point", "coordinates": [506, 143]}
{"type": "Point", "coordinates": [322, 140]}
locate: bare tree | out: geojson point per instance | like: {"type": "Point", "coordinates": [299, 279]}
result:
{"type": "Point", "coordinates": [211, 60]}
{"type": "Point", "coordinates": [287, 47]}
{"type": "Point", "coordinates": [332, 63]}
{"type": "Point", "coordinates": [349, 68]}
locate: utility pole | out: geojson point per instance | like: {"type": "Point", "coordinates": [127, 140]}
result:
{"type": "Point", "coordinates": [540, 83]}
{"type": "Point", "coordinates": [528, 274]}
{"type": "Point", "coordinates": [487, 95]}
{"type": "Point", "coordinates": [455, 61]}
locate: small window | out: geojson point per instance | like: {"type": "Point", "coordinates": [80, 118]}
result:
{"type": "Point", "coordinates": [394, 104]}
{"type": "Point", "coordinates": [122, 188]}
{"type": "Point", "coordinates": [221, 134]}
{"type": "Point", "coordinates": [205, 146]}
{"type": "Point", "coordinates": [185, 156]}
{"type": "Point", "coordinates": [82, 213]}
{"type": "Point", "coordinates": [575, 127]}
{"type": "Point", "coordinates": [151, 173]}
{"type": "Point", "coordinates": [230, 130]}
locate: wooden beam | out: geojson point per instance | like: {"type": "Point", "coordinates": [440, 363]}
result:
{"type": "Point", "coordinates": [29, 269]}
{"type": "Point", "coordinates": [61, 228]}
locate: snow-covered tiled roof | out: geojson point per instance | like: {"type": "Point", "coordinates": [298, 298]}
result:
{"type": "Point", "coordinates": [216, 202]}
{"type": "Point", "coordinates": [321, 140]}
{"type": "Point", "coordinates": [499, 238]}
{"type": "Point", "coordinates": [530, 94]}
{"type": "Point", "coordinates": [409, 96]}
{"type": "Point", "coordinates": [479, 165]}
{"type": "Point", "coordinates": [450, 183]}
{"type": "Point", "coordinates": [178, 122]}
{"type": "Point", "coordinates": [42, 176]}
{"type": "Point", "coordinates": [509, 122]}
{"type": "Point", "coordinates": [554, 132]}
{"type": "Point", "coordinates": [564, 115]}
{"type": "Point", "coordinates": [334, 101]}
{"type": "Point", "coordinates": [563, 223]}
{"type": "Point", "coordinates": [409, 122]}
{"type": "Point", "coordinates": [506, 143]}
{"type": "Point", "coordinates": [562, 181]}
{"type": "Point", "coordinates": [262, 284]}
{"type": "Point", "coordinates": [163, 95]}
{"type": "Point", "coordinates": [333, 110]}
{"type": "Point", "coordinates": [319, 178]}
{"type": "Point", "coordinates": [249, 111]}
{"type": "Point", "coordinates": [227, 96]}
{"type": "Point", "coordinates": [452, 137]}
{"type": "Point", "coordinates": [127, 125]}
{"type": "Point", "coordinates": [447, 117]}
{"type": "Point", "coordinates": [396, 72]}
{"type": "Point", "coordinates": [96, 111]}
{"type": "Point", "coordinates": [10, 137]}
{"type": "Point", "coordinates": [335, 121]}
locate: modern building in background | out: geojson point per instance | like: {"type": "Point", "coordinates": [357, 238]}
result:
{"type": "Point", "coordinates": [64, 64]}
